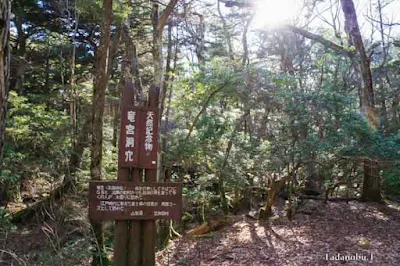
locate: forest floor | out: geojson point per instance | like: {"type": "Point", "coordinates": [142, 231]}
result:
{"type": "Point", "coordinates": [318, 234]}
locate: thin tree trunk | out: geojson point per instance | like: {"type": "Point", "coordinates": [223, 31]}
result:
{"type": "Point", "coordinates": [168, 66]}
{"type": "Point", "coordinates": [75, 159]}
{"type": "Point", "coordinates": [18, 61]}
{"type": "Point", "coordinates": [221, 178]}
{"type": "Point", "coordinates": [245, 58]}
{"type": "Point", "coordinates": [117, 111]}
{"type": "Point", "coordinates": [200, 50]}
{"type": "Point", "coordinates": [4, 76]}
{"type": "Point", "coordinates": [71, 91]}
{"type": "Point", "coordinates": [157, 49]}
{"type": "Point", "coordinates": [163, 144]}
{"type": "Point", "coordinates": [159, 21]}
{"type": "Point", "coordinates": [226, 32]}
{"type": "Point", "coordinates": [99, 87]}
{"type": "Point", "coordinates": [136, 74]}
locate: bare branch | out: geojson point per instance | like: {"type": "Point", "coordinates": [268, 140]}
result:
{"type": "Point", "coordinates": [320, 39]}
{"type": "Point", "coordinates": [384, 23]}
{"type": "Point", "coordinates": [165, 14]}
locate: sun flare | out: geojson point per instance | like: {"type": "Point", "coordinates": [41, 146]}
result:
{"type": "Point", "coordinates": [273, 13]}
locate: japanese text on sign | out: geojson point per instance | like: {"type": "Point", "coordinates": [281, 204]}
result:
{"type": "Point", "coordinates": [130, 136]}
{"type": "Point", "coordinates": [148, 141]}
{"type": "Point", "coordinates": [124, 200]}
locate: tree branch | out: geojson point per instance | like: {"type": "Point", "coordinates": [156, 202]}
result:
{"type": "Point", "coordinates": [326, 43]}
{"type": "Point", "coordinates": [384, 23]}
{"type": "Point", "coordinates": [165, 14]}
{"type": "Point", "coordinates": [205, 105]}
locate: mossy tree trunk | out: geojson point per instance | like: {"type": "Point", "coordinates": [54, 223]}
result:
{"type": "Point", "coordinates": [371, 186]}
{"type": "Point", "coordinates": [99, 87]}
{"type": "Point", "coordinates": [274, 187]}
{"type": "Point", "coordinates": [4, 77]}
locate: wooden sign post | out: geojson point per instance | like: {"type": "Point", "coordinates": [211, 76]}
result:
{"type": "Point", "coordinates": [136, 200]}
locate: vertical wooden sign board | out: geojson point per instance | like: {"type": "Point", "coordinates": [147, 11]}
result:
{"type": "Point", "coordinates": [127, 157]}
{"type": "Point", "coordinates": [134, 204]}
{"type": "Point", "coordinates": [148, 159]}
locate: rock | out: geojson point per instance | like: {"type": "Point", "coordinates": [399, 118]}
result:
{"type": "Point", "coordinates": [253, 215]}
{"type": "Point", "coordinates": [273, 218]}
{"type": "Point", "coordinates": [364, 243]}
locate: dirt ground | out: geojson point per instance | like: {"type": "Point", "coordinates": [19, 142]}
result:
{"type": "Point", "coordinates": [321, 234]}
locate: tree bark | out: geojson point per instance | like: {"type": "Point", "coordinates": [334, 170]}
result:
{"type": "Point", "coordinates": [71, 89]}
{"type": "Point", "coordinates": [19, 65]}
{"type": "Point", "coordinates": [4, 74]}
{"type": "Point", "coordinates": [75, 159]}
{"type": "Point", "coordinates": [371, 186]}
{"type": "Point", "coordinates": [168, 77]}
{"type": "Point", "coordinates": [226, 32]}
{"type": "Point", "coordinates": [159, 21]}
{"type": "Point", "coordinates": [326, 43]}
{"type": "Point", "coordinates": [245, 58]}
{"type": "Point", "coordinates": [221, 176]}
{"type": "Point", "coordinates": [99, 86]}
{"type": "Point", "coordinates": [200, 48]}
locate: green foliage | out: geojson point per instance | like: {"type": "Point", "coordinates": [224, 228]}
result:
{"type": "Point", "coordinates": [36, 140]}
{"type": "Point", "coordinates": [37, 127]}
{"type": "Point", "coordinates": [93, 10]}
{"type": "Point", "coordinates": [5, 221]}
{"type": "Point", "coordinates": [73, 253]}
{"type": "Point", "coordinates": [391, 180]}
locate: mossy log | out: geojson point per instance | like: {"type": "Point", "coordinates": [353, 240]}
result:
{"type": "Point", "coordinates": [30, 211]}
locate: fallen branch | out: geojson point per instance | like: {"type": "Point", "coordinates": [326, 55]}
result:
{"type": "Point", "coordinates": [27, 213]}
{"type": "Point", "coordinates": [12, 255]}
{"type": "Point", "coordinates": [329, 199]}
{"type": "Point", "coordinates": [207, 227]}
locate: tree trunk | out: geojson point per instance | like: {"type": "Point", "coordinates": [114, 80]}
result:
{"type": "Point", "coordinates": [274, 187]}
{"type": "Point", "coordinates": [99, 86]}
{"type": "Point", "coordinates": [371, 186]}
{"type": "Point", "coordinates": [75, 159]}
{"type": "Point", "coordinates": [226, 32]}
{"type": "Point", "coordinates": [371, 190]}
{"type": "Point", "coordinates": [311, 186]}
{"type": "Point", "coordinates": [19, 65]}
{"type": "Point", "coordinates": [245, 57]}
{"type": "Point", "coordinates": [168, 77]}
{"type": "Point", "coordinates": [4, 76]}
{"type": "Point", "coordinates": [71, 88]}
{"type": "Point", "coordinates": [200, 48]}
{"type": "Point", "coordinates": [159, 21]}
{"type": "Point", "coordinates": [117, 111]}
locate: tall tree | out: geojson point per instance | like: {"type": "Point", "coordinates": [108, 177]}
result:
{"type": "Point", "coordinates": [101, 75]}
{"type": "Point", "coordinates": [4, 68]}
{"type": "Point", "coordinates": [159, 21]}
{"type": "Point", "coordinates": [371, 185]}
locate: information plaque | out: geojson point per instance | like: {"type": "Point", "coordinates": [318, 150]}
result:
{"type": "Point", "coordinates": [112, 200]}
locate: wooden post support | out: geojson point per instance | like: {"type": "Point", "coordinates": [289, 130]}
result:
{"type": "Point", "coordinates": [121, 231]}
{"type": "Point", "coordinates": [149, 226]}
{"type": "Point", "coordinates": [122, 236]}
{"type": "Point", "coordinates": [135, 203]}
{"type": "Point", "coordinates": [135, 231]}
